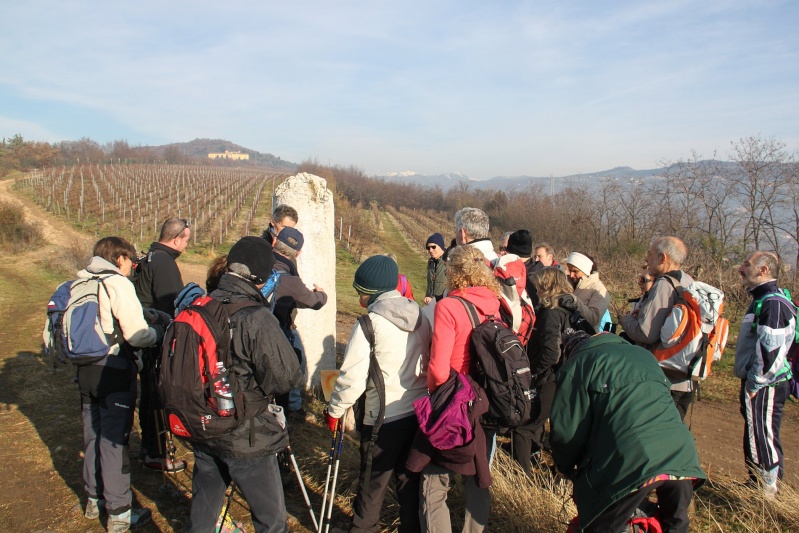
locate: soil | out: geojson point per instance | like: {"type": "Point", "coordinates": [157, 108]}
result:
{"type": "Point", "coordinates": [40, 434]}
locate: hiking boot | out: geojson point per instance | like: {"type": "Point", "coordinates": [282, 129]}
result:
{"type": "Point", "coordinates": [93, 508]}
{"type": "Point", "coordinates": [165, 464]}
{"type": "Point", "coordinates": [119, 523]}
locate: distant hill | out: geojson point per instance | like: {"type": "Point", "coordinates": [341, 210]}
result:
{"type": "Point", "coordinates": [198, 149]}
{"type": "Point", "coordinates": [449, 180]}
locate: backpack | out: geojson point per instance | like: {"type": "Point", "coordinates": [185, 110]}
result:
{"type": "Point", "coordinates": [516, 307]}
{"type": "Point", "coordinates": [359, 407]}
{"type": "Point", "coordinates": [793, 352]}
{"type": "Point", "coordinates": [694, 334]}
{"type": "Point", "coordinates": [74, 332]}
{"type": "Point", "coordinates": [444, 415]}
{"type": "Point", "coordinates": [638, 523]}
{"type": "Point", "coordinates": [501, 367]}
{"type": "Point", "coordinates": [190, 382]}
{"type": "Point", "coordinates": [269, 290]}
{"type": "Point", "coordinates": [187, 296]}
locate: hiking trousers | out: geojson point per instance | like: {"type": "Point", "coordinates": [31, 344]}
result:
{"type": "Point", "coordinates": [108, 400]}
{"type": "Point", "coordinates": [257, 478]}
{"type": "Point", "coordinates": [153, 441]}
{"type": "Point", "coordinates": [389, 454]}
{"type": "Point", "coordinates": [674, 498]}
{"type": "Point", "coordinates": [762, 420]}
{"type": "Point", "coordinates": [530, 438]}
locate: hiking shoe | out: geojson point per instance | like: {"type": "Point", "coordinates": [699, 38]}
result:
{"type": "Point", "coordinates": [165, 464]}
{"type": "Point", "coordinates": [93, 508]}
{"type": "Point", "coordinates": [119, 523]}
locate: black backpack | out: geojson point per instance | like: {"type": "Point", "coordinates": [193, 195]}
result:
{"type": "Point", "coordinates": [501, 367]}
{"type": "Point", "coordinates": [189, 381]}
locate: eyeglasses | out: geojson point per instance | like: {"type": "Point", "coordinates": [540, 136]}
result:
{"type": "Point", "coordinates": [432, 247]}
{"type": "Point", "coordinates": [503, 248]}
{"type": "Point", "coordinates": [186, 222]}
{"type": "Point", "coordinates": [642, 279]}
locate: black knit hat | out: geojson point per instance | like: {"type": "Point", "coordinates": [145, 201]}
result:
{"type": "Point", "coordinates": [256, 254]}
{"type": "Point", "coordinates": [376, 275]}
{"type": "Point", "coordinates": [436, 238]}
{"type": "Point", "coordinates": [520, 242]}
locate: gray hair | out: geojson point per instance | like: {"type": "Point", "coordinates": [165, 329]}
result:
{"type": "Point", "coordinates": [767, 259]}
{"type": "Point", "coordinates": [284, 249]}
{"type": "Point", "coordinates": [240, 269]}
{"type": "Point", "coordinates": [673, 248]}
{"type": "Point", "coordinates": [172, 228]}
{"type": "Point", "coordinates": [474, 221]}
{"type": "Point", "coordinates": [505, 236]}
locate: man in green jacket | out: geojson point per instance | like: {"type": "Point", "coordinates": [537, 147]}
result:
{"type": "Point", "coordinates": [618, 436]}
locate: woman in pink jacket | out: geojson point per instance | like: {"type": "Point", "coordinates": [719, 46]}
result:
{"type": "Point", "coordinates": [469, 277]}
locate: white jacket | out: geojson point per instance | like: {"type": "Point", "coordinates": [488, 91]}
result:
{"type": "Point", "coordinates": [592, 299]}
{"type": "Point", "coordinates": [402, 350]}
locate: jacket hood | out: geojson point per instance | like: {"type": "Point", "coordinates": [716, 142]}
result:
{"type": "Point", "coordinates": [590, 280]}
{"type": "Point", "coordinates": [98, 265]}
{"type": "Point", "coordinates": [397, 309]}
{"type": "Point", "coordinates": [486, 302]}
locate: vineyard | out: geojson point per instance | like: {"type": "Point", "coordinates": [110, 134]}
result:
{"type": "Point", "coordinates": [133, 200]}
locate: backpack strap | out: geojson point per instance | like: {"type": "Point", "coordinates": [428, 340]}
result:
{"type": "Point", "coordinates": [377, 378]}
{"type": "Point", "coordinates": [471, 310]}
{"type": "Point", "coordinates": [116, 337]}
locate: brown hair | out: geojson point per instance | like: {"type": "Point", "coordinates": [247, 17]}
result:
{"type": "Point", "coordinates": [112, 248]}
{"type": "Point", "coordinates": [466, 267]}
{"type": "Point", "coordinates": [216, 270]}
{"type": "Point", "coordinates": [550, 283]}
{"type": "Point", "coordinates": [172, 229]}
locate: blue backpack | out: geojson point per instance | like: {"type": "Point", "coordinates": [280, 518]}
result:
{"type": "Point", "coordinates": [270, 288]}
{"type": "Point", "coordinates": [73, 331]}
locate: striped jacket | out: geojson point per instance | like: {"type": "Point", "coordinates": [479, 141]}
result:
{"type": "Point", "coordinates": [761, 353]}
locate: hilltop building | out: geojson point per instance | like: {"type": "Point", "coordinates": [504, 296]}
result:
{"type": "Point", "coordinates": [229, 155]}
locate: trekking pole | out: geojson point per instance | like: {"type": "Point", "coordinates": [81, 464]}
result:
{"type": "Point", "coordinates": [227, 507]}
{"type": "Point", "coordinates": [339, 445]}
{"type": "Point", "coordinates": [327, 480]}
{"type": "Point", "coordinates": [302, 487]}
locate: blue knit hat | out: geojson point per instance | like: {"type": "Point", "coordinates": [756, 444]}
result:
{"type": "Point", "coordinates": [376, 275]}
{"type": "Point", "coordinates": [436, 238]}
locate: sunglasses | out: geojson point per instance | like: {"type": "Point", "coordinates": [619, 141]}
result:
{"type": "Point", "coordinates": [642, 279]}
{"type": "Point", "coordinates": [503, 248]}
{"type": "Point", "coordinates": [432, 247]}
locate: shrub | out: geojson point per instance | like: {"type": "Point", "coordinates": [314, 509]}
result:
{"type": "Point", "coordinates": [15, 233]}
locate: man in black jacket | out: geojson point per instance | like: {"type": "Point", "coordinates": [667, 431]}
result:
{"type": "Point", "coordinates": [264, 365]}
{"type": "Point", "coordinates": [158, 282]}
{"type": "Point", "coordinates": [292, 294]}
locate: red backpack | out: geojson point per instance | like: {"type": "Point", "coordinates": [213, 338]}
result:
{"type": "Point", "coordinates": [516, 308]}
{"type": "Point", "coordinates": [192, 386]}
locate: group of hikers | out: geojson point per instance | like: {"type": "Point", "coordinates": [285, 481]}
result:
{"type": "Point", "coordinates": [613, 404]}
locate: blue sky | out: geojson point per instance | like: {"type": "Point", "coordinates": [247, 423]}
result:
{"type": "Point", "coordinates": [483, 88]}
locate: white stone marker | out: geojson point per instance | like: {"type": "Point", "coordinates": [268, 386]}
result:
{"type": "Point", "coordinates": [309, 195]}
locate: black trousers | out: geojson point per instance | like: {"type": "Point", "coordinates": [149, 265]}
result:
{"type": "Point", "coordinates": [683, 401]}
{"type": "Point", "coordinates": [153, 441]}
{"type": "Point", "coordinates": [388, 461]}
{"type": "Point", "coordinates": [674, 497]}
{"type": "Point", "coordinates": [530, 438]}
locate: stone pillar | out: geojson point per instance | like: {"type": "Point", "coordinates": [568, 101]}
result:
{"type": "Point", "coordinates": [309, 195]}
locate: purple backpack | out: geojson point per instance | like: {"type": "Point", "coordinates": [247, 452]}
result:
{"type": "Point", "coordinates": [444, 415]}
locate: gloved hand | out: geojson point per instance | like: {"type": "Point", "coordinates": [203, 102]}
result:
{"type": "Point", "coordinates": [332, 423]}
{"type": "Point", "coordinates": [154, 316]}
{"type": "Point", "coordinates": [159, 333]}
{"type": "Point", "coordinates": [568, 302]}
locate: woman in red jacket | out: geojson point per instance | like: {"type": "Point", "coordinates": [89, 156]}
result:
{"type": "Point", "coordinates": [469, 277]}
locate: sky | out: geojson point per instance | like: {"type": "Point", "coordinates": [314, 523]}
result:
{"type": "Point", "coordinates": [503, 88]}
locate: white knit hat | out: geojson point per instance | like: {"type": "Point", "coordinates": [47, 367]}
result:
{"type": "Point", "coordinates": [580, 261]}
